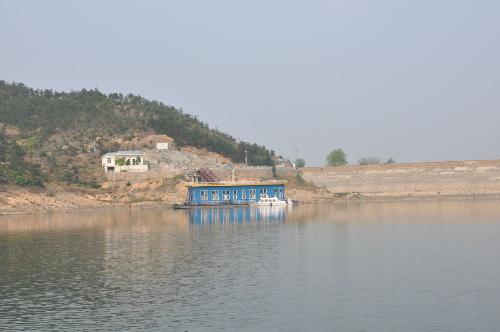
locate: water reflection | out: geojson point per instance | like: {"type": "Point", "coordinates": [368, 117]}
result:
{"type": "Point", "coordinates": [237, 215]}
{"type": "Point", "coordinates": [406, 266]}
{"type": "Point", "coordinates": [111, 220]}
{"type": "Point", "coordinates": [165, 219]}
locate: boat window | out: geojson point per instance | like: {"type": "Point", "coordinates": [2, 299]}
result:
{"type": "Point", "coordinates": [225, 195]}
{"type": "Point", "coordinates": [243, 194]}
{"type": "Point", "coordinates": [252, 193]}
{"type": "Point", "coordinates": [215, 195]}
{"type": "Point", "coordinates": [204, 195]}
{"type": "Point", "coordinates": [235, 194]}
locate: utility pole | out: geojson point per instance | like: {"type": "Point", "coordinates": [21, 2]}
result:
{"type": "Point", "coordinates": [246, 157]}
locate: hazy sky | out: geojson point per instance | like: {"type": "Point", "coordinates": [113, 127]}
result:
{"type": "Point", "coordinates": [413, 80]}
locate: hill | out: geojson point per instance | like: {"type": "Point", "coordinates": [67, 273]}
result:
{"type": "Point", "coordinates": [54, 132]}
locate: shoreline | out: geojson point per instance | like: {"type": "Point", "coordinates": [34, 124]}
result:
{"type": "Point", "coordinates": [15, 211]}
{"type": "Point", "coordinates": [428, 181]}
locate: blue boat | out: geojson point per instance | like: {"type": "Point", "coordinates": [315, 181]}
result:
{"type": "Point", "coordinates": [232, 193]}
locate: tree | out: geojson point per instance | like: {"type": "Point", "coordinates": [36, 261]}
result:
{"type": "Point", "coordinates": [274, 170]}
{"type": "Point", "coordinates": [390, 161]}
{"type": "Point", "coordinates": [369, 161]}
{"type": "Point", "coordinates": [120, 161]}
{"type": "Point", "coordinates": [336, 158]}
{"type": "Point", "coordinates": [300, 163]}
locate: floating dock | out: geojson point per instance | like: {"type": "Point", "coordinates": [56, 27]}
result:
{"type": "Point", "coordinates": [232, 193]}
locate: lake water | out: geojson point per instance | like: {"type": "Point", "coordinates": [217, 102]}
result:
{"type": "Point", "coordinates": [406, 266]}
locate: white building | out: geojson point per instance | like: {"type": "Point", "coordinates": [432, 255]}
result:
{"type": "Point", "coordinates": [124, 161]}
{"type": "Point", "coordinates": [161, 146]}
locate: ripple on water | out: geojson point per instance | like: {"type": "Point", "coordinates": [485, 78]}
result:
{"type": "Point", "coordinates": [370, 267]}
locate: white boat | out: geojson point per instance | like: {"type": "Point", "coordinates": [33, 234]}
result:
{"type": "Point", "coordinates": [270, 201]}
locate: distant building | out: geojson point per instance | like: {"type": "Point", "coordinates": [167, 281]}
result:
{"type": "Point", "coordinates": [161, 146]}
{"type": "Point", "coordinates": [124, 161]}
{"type": "Point", "coordinates": [279, 161]}
{"type": "Point", "coordinates": [233, 193]}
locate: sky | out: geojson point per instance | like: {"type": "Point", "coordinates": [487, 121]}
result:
{"type": "Point", "coordinates": [411, 80]}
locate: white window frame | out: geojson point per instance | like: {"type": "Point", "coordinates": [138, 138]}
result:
{"type": "Point", "coordinates": [215, 195]}
{"type": "Point", "coordinates": [243, 194]}
{"type": "Point", "coordinates": [252, 193]}
{"type": "Point", "coordinates": [204, 195]}
{"type": "Point", "coordinates": [225, 195]}
{"type": "Point", "coordinates": [235, 194]}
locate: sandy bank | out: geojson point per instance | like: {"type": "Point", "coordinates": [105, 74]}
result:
{"type": "Point", "coordinates": [19, 200]}
{"type": "Point", "coordinates": [416, 181]}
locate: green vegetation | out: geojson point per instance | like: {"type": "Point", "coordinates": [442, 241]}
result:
{"type": "Point", "coordinates": [369, 161]}
{"type": "Point", "coordinates": [13, 167]}
{"type": "Point", "coordinates": [336, 158]}
{"type": "Point", "coordinates": [57, 136]}
{"type": "Point", "coordinates": [298, 180]}
{"type": "Point", "coordinates": [30, 143]}
{"type": "Point", "coordinates": [120, 161]}
{"type": "Point", "coordinates": [299, 163]}
{"type": "Point", "coordinates": [374, 161]}
{"type": "Point", "coordinates": [90, 113]}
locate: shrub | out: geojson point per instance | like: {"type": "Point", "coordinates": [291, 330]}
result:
{"type": "Point", "coordinates": [336, 158]}
{"type": "Point", "coordinates": [299, 163]}
{"type": "Point", "coordinates": [369, 161]}
{"type": "Point", "coordinates": [21, 180]}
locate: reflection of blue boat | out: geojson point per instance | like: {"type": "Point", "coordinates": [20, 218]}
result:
{"type": "Point", "coordinates": [236, 215]}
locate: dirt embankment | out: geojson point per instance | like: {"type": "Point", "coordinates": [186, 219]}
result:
{"type": "Point", "coordinates": [15, 199]}
{"type": "Point", "coordinates": [332, 184]}
{"type": "Point", "coordinates": [452, 178]}
{"type": "Point", "coordinates": [124, 193]}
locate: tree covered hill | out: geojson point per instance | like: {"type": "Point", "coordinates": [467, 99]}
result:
{"type": "Point", "coordinates": [46, 111]}
{"type": "Point", "coordinates": [82, 117]}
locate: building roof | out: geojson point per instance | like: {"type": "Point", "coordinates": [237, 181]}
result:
{"type": "Point", "coordinates": [124, 153]}
{"type": "Point", "coordinates": [237, 183]}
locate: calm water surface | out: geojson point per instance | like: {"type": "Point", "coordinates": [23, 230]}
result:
{"type": "Point", "coordinates": [419, 266]}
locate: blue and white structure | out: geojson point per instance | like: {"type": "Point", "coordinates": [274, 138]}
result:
{"type": "Point", "coordinates": [236, 215]}
{"type": "Point", "coordinates": [233, 193]}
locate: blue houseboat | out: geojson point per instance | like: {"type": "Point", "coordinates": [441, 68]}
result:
{"type": "Point", "coordinates": [233, 192]}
